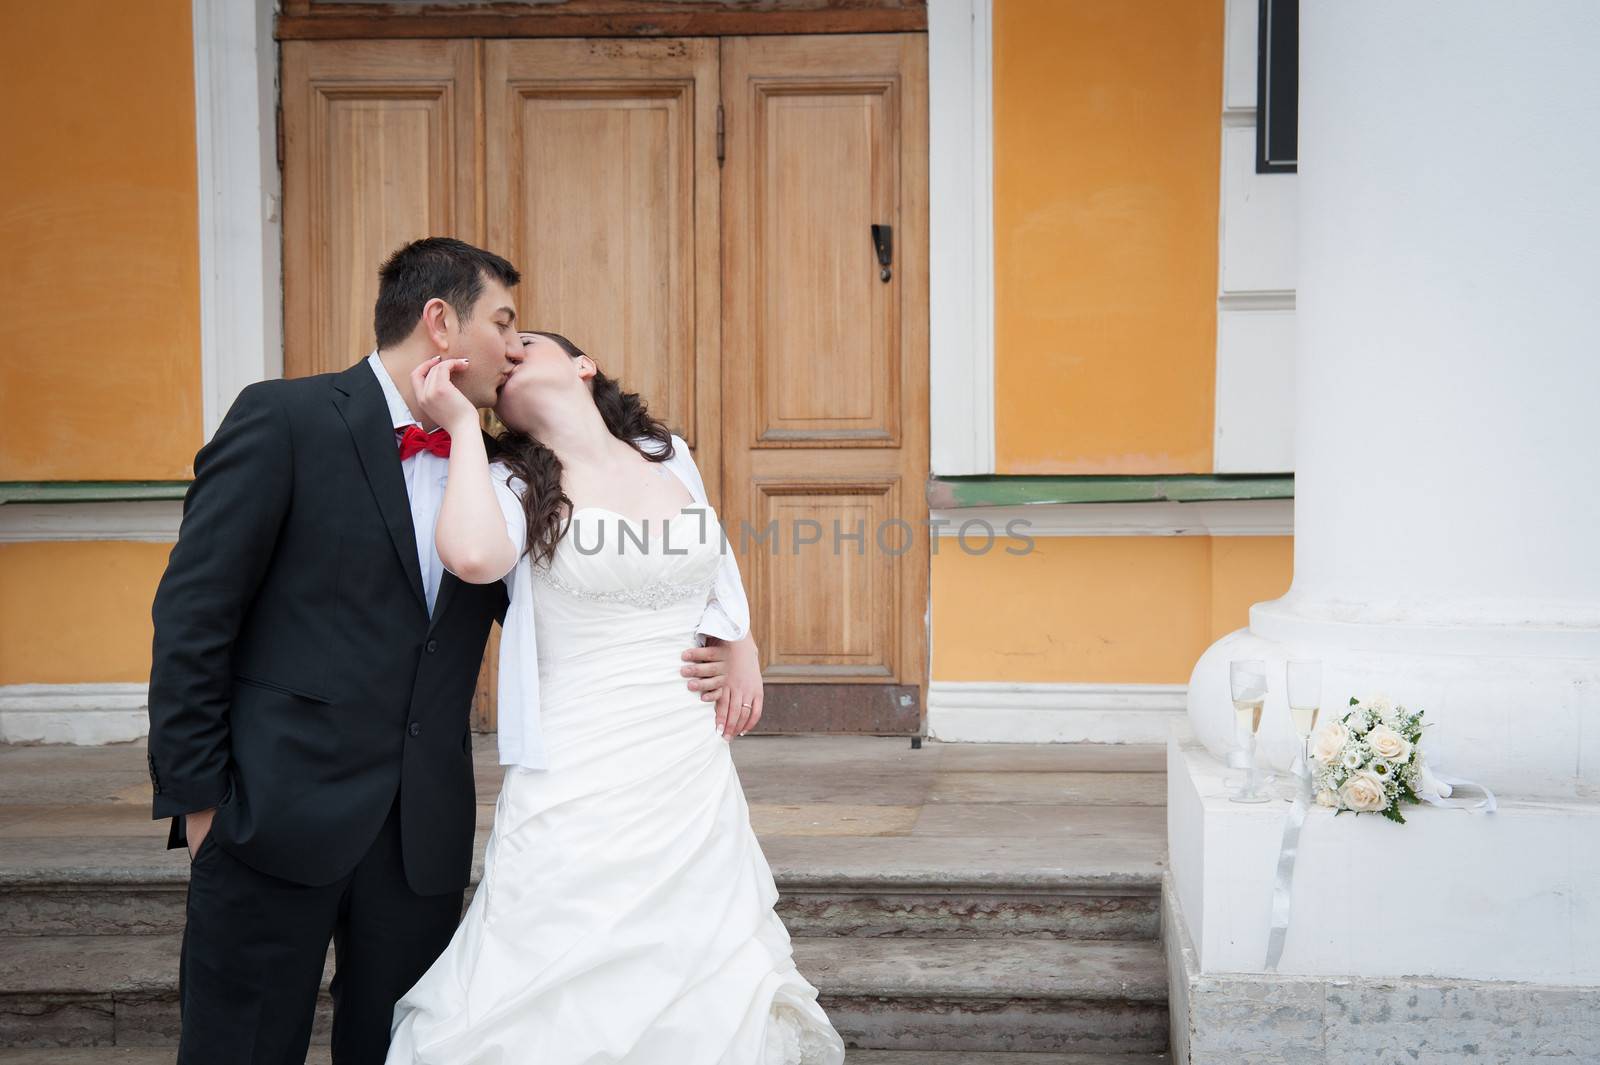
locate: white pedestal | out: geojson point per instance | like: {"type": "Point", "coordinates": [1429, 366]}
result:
{"type": "Point", "coordinates": [1509, 896]}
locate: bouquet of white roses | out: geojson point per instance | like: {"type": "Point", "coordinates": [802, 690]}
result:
{"type": "Point", "coordinates": [1369, 760]}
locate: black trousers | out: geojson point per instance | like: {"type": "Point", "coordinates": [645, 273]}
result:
{"type": "Point", "coordinates": [254, 947]}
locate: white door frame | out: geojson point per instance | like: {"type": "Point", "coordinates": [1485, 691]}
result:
{"type": "Point", "coordinates": [241, 238]}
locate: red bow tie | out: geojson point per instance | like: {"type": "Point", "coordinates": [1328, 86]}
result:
{"type": "Point", "coordinates": [413, 440]}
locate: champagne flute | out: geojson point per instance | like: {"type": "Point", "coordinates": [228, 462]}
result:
{"type": "Point", "coordinates": [1248, 680]}
{"type": "Point", "coordinates": [1305, 701]}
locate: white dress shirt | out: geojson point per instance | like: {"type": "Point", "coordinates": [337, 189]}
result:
{"type": "Point", "coordinates": [727, 613]}
{"type": "Point", "coordinates": [424, 474]}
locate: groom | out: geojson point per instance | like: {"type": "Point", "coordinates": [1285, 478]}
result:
{"type": "Point", "coordinates": [313, 671]}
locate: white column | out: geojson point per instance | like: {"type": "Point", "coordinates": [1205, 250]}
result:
{"type": "Point", "coordinates": [240, 231]}
{"type": "Point", "coordinates": [1447, 517]}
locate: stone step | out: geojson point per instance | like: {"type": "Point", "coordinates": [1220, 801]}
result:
{"type": "Point", "coordinates": [320, 1056]}
{"type": "Point", "coordinates": [991, 994]}
{"type": "Point", "coordinates": [894, 994]}
{"type": "Point", "coordinates": [96, 990]}
{"type": "Point", "coordinates": [981, 1057]}
{"type": "Point", "coordinates": [1094, 888]}
{"type": "Point", "coordinates": [956, 912]}
{"type": "Point", "coordinates": [934, 911]}
{"type": "Point", "coordinates": [113, 1055]}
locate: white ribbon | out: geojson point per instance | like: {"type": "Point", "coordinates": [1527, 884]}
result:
{"type": "Point", "coordinates": [1437, 789]}
{"type": "Point", "coordinates": [1288, 851]}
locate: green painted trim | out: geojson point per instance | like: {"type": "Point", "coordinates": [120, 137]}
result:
{"type": "Point", "coordinates": [90, 491]}
{"type": "Point", "coordinates": [948, 493]}
{"type": "Point", "coordinates": [944, 493]}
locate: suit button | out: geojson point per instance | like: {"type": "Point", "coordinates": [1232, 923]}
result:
{"type": "Point", "coordinates": [414, 728]}
{"type": "Point", "coordinates": [433, 645]}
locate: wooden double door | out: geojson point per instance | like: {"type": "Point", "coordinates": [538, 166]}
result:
{"type": "Point", "coordinates": [699, 215]}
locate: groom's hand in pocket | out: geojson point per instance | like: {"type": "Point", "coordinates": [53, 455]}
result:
{"type": "Point", "coordinates": [196, 827]}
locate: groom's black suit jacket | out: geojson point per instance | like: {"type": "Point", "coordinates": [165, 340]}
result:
{"type": "Point", "coordinates": [298, 681]}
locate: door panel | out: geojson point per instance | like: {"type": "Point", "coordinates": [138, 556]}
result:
{"type": "Point", "coordinates": [602, 183]}
{"type": "Point", "coordinates": [825, 386]}
{"type": "Point", "coordinates": [839, 627]}
{"type": "Point", "coordinates": [824, 172]}
{"type": "Point", "coordinates": [378, 150]}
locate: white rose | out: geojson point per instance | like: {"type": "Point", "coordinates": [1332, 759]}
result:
{"type": "Point", "coordinates": [1328, 799]}
{"type": "Point", "coordinates": [1383, 706]}
{"type": "Point", "coordinates": [1364, 793]}
{"type": "Point", "coordinates": [1329, 741]}
{"type": "Point", "coordinates": [1389, 745]}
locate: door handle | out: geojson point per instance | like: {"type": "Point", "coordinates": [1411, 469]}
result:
{"type": "Point", "coordinates": [883, 244]}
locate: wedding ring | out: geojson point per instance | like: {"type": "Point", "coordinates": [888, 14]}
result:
{"type": "Point", "coordinates": [744, 706]}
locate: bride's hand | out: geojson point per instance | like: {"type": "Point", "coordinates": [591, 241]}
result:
{"type": "Point", "coordinates": [439, 397]}
{"type": "Point", "coordinates": [739, 705]}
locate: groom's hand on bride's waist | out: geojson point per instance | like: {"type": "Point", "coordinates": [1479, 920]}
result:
{"type": "Point", "coordinates": [729, 675]}
{"type": "Point", "coordinates": [707, 669]}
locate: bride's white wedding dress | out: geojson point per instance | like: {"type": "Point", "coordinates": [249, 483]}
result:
{"type": "Point", "coordinates": [626, 910]}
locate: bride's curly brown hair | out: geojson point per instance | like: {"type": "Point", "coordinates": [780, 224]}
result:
{"type": "Point", "coordinates": [625, 414]}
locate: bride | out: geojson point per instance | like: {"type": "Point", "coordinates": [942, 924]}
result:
{"type": "Point", "coordinates": [625, 913]}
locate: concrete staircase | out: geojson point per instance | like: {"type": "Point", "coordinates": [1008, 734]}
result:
{"type": "Point", "coordinates": [1031, 949]}
{"type": "Point", "coordinates": [982, 960]}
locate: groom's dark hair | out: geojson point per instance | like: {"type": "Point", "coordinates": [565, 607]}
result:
{"type": "Point", "coordinates": [434, 267]}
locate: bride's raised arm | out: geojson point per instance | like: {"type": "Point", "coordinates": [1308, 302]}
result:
{"type": "Point", "coordinates": [471, 533]}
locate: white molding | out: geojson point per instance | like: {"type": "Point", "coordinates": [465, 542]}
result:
{"type": "Point", "coordinates": [1252, 430]}
{"type": "Point", "coordinates": [1256, 221]}
{"type": "Point", "coordinates": [1231, 517]}
{"type": "Point", "coordinates": [80, 714]}
{"type": "Point", "coordinates": [241, 287]}
{"type": "Point", "coordinates": [1263, 300]}
{"type": "Point", "coordinates": [1001, 712]}
{"type": "Point", "coordinates": [148, 521]}
{"type": "Point", "coordinates": [1240, 43]}
{"type": "Point", "coordinates": [961, 236]}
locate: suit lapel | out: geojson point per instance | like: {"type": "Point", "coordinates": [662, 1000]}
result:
{"type": "Point", "coordinates": [448, 583]}
{"type": "Point", "coordinates": [359, 398]}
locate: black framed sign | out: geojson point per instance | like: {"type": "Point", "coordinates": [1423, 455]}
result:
{"type": "Point", "coordinates": [1278, 87]}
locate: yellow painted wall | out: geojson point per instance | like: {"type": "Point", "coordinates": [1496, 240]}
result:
{"type": "Point", "coordinates": [1114, 609]}
{"type": "Point", "coordinates": [99, 282]}
{"type": "Point", "coordinates": [77, 613]}
{"type": "Point", "coordinates": [1106, 182]}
